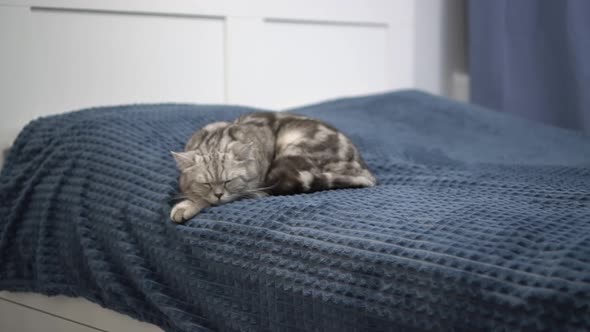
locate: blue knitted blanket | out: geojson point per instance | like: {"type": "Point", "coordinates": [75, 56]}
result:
{"type": "Point", "coordinates": [480, 221]}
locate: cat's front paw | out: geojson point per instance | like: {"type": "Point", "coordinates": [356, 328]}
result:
{"type": "Point", "coordinates": [184, 210]}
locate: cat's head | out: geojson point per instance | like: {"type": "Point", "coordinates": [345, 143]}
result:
{"type": "Point", "coordinates": [219, 176]}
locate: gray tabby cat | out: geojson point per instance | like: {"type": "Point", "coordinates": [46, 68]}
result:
{"type": "Point", "coordinates": [265, 153]}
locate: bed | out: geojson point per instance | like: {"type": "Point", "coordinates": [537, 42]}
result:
{"type": "Point", "coordinates": [480, 221]}
{"type": "Point", "coordinates": [64, 55]}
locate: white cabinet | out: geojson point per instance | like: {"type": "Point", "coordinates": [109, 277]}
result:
{"type": "Point", "coordinates": [63, 55]}
{"type": "Point", "coordinates": [82, 59]}
{"type": "Point", "coordinates": [288, 62]}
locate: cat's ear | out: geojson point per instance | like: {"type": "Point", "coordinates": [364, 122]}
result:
{"type": "Point", "coordinates": [245, 151]}
{"type": "Point", "coordinates": [184, 160]}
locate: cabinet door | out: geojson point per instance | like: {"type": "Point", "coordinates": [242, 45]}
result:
{"type": "Point", "coordinates": [280, 63]}
{"type": "Point", "coordinates": [100, 58]}
{"type": "Point", "coordinates": [57, 60]}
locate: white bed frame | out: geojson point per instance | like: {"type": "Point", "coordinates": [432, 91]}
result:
{"type": "Point", "coordinates": [62, 55]}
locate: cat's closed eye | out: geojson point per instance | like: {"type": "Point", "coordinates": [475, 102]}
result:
{"type": "Point", "coordinates": [234, 183]}
{"type": "Point", "coordinates": [201, 187]}
{"type": "Point", "coordinates": [230, 181]}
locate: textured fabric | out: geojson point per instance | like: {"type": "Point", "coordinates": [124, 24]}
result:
{"type": "Point", "coordinates": [532, 58]}
{"type": "Point", "coordinates": [480, 222]}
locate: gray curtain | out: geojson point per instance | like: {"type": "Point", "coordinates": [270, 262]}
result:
{"type": "Point", "coordinates": [532, 58]}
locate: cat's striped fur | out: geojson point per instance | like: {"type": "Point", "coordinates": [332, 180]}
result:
{"type": "Point", "coordinates": [265, 153]}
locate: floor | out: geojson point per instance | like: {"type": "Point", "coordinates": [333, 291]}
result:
{"type": "Point", "coordinates": [29, 312]}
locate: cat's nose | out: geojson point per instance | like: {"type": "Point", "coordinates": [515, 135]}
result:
{"type": "Point", "coordinates": [218, 195]}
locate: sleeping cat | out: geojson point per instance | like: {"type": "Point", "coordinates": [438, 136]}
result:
{"type": "Point", "coordinates": [264, 153]}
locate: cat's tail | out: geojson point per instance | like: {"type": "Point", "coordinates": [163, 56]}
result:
{"type": "Point", "coordinates": [288, 182]}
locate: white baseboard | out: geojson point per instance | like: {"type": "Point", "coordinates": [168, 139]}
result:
{"type": "Point", "coordinates": [460, 86]}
